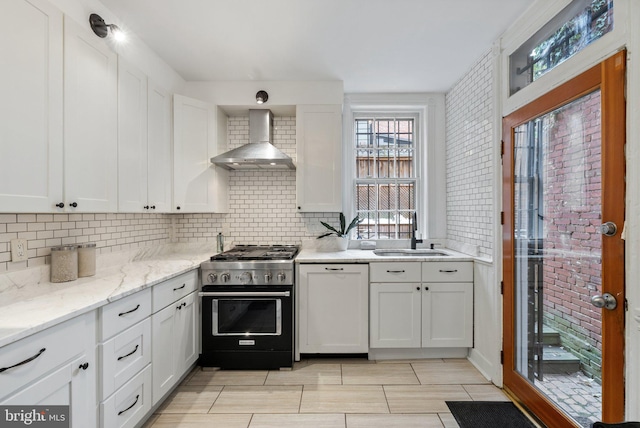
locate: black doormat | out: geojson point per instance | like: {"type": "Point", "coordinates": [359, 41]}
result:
{"type": "Point", "coordinates": [488, 414]}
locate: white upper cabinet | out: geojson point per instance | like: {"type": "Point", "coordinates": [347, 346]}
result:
{"type": "Point", "coordinates": [90, 122]}
{"type": "Point", "coordinates": [319, 158]}
{"type": "Point", "coordinates": [31, 107]}
{"type": "Point", "coordinates": [159, 168]}
{"type": "Point", "coordinates": [132, 139]}
{"type": "Point", "coordinates": [198, 185]}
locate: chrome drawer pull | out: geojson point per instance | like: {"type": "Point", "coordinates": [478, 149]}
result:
{"type": "Point", "coordinates": [129, 354]}
{"type": "Point", "coordinates": [333, 268]}
{"type": "Point", "coordinates": [134, 403]}
{"type": "Point", "coordinates": [448, 271]}
{"type": "Point", "coordinates": [25, 361]}
{"type": "Point", "coordinates": [128, 312]}
{"type": "Point", "coordinates": [395, 271]}
{"type": "Point", "coordinates": [244, 294]}
{"type": "Point", "coordinates": [180, 288]}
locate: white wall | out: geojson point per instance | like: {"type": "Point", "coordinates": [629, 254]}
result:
{"type": "Point", "coordinates": [134, 50]}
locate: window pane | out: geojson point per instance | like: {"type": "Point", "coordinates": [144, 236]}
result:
{"type": "Point", "coordinates": [581, 22]}
{"type": "Point", "coordinates": [385, 154]}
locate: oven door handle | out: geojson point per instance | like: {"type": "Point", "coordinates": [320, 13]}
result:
{"type": "Point", "coordinates": [244, 294]}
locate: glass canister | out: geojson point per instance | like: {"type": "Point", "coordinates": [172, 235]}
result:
{"type": "Point", "coordinates": [86, 259]}
{"type": "Point", "coordinates": [64, 263]}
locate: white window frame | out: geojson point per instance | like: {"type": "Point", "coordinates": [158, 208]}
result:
{"type": "Point", "coordinates": [429, 111]}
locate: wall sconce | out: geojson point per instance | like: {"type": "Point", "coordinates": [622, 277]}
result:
{"type": "Point", "coordinates": [101, 29]}
{"type": "Point", "coordinates": [262, 97]}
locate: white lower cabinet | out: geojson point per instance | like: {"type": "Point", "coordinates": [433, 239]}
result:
{"type": "Point", "coordinates": [125, 354]}
{"type": "Point", "coordinates": [54, 367]}
{"type": "Point", "coordinates": [175, 329]}
{"type": "Point", "coordinates": [417, 313]}
{"type": "Point", "coordinates": [333, 308]}
{"type": "Point", "coordinates": [129, 404]}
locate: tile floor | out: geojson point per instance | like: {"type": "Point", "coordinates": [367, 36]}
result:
{"type": "Point", "coordinates": [326, 393]}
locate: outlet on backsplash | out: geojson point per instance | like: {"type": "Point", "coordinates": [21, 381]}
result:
{"type": "Point", "coordinates": [19, 250]}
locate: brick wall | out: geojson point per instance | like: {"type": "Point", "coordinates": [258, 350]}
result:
{"type": "Point", "coordinates": [572, 242]}
{"type": "Point", "coordinates": [470, 136]}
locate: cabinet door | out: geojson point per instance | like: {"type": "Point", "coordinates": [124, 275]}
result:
{"type": "Point", "coordinates": [31, 107]}
{"type": "Point", "coordinates": [159, 169]}
{"type": "Point", "coordinates": [395, 320]}
{"type": "Point", "coordinates": [162, 351]}
{"type": "Point", "coordinates": [197, 182]}
{"type": "Point", "coordinates": [90, 121]}
{"type": "Point", "coordinates": [333, 308]}
{"type": "Point", "coordinates": [319, 158]}
{"type": "Point", "coordinates": [70, 385]}
{"type": "Point", "coordinates": [132, 139]}
{"type": "Point", "coordinates": [186, 331]}
{"type": "Point", "coordinates": [447, 314]}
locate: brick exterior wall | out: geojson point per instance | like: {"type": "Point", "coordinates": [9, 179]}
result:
{"type": "Point", "coordinates": [470, 139]}
{"type": "Point", "coordinates": [572, 241]}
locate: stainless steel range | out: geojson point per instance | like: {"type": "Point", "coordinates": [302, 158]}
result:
{"type": "Point", "coordinates": [247, 308]}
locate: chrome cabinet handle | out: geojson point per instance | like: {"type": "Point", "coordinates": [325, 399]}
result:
{"type": "Point", "coordinates": [128, 312]}
{"type": "Point", "coordinates": [180, 288]}
{"type": "Point", "coordinates": [448, 271]}
{"type": "Point", "coordinates": [28, 360]}
{"type": "Point", "coordinates": [134, 403]}
{"type": "Point", "coordinates": [129, 354]}
{"type": "Point", "coordinates": [244, 294]}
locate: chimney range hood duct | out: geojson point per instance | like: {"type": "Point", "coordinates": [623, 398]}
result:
{"type": "Point", "coordinates": [259, 153]}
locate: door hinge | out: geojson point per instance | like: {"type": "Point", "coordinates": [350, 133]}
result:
{"type": "Point", "coordinates": [501, 287]}
{"type": "Point", "coordinates": [502, 218]}
{"type": "Point", "coordinates": [501, 148]}
{"type": "Point", "coordinates": [502, 357]}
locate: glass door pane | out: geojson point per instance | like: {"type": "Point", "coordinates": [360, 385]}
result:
{"type": "Point", "coordinates": [558, 256]}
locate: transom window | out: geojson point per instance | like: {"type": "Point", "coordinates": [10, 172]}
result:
{"type": "Point", "coordinates": [385, 175]}
{"type": "Point", "coordinates": [575, 27]}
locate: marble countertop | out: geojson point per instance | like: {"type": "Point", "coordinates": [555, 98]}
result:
{"type": "Point", "coordinates": [368, 256]}
{"type": "Point", "coordinates": [30, 303]}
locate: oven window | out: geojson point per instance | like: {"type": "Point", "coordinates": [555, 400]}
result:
{"type": "Point", "coordinates": [247, 317]}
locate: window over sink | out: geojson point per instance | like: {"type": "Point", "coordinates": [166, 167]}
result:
{"type": "Point", "coordinates": [385, 174]}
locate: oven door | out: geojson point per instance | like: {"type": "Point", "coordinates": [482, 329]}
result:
{"type": "Point", "coordinates": [246, 313]}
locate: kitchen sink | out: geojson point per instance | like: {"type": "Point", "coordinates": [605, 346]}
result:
{"type": "Point", "coordinates": [409, 253]}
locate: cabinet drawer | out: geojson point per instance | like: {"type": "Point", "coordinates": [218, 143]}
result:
{"type": "Point", "coordinates": [395, 272]}
{"type": "Point", "coordinates": [128, 405]}
{"type": "Point", "coordinates": [122, 314]}
{"type": "Point", "coordinates": [125, 355]}
{"type": "Point", "coordinates": [174, 289]}
{"type": "Point", "coordinates": [44, 351]}
{"type": "Point", "coordinates": [447, 271]}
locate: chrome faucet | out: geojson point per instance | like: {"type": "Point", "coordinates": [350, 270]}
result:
{"type": "Point", "coordinates": [414, 227]}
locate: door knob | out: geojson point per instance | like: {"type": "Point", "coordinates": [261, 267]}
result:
{"type": "Point", "coordinates": [605, 300]}
{"type": "Point", "coordinates": [609, 228]}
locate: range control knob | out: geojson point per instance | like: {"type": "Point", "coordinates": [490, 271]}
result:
{"type": "Point", "coordinates": [225, 277]}
{"type": "Point", "coordinates": [267, 277]}
{"type": "Point", "coordinates": [246, 278]}
{"type": "Point", "coordinates": [212, 277]}
{"type": "Point", "coordinates": [281, 276]}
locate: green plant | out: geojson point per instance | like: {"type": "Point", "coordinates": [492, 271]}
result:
{"type": "Point", "coordinates": [342, 231]}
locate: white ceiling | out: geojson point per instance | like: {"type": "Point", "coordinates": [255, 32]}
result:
{"type": "Point", "coordinates": [371, 45]}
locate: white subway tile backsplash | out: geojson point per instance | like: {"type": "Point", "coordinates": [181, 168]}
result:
{"type": "Point", "coordinates": [470, 137]}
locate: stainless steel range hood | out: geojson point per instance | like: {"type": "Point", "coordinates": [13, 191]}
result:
{"type": "Point", "coordinates": [259, 153]}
